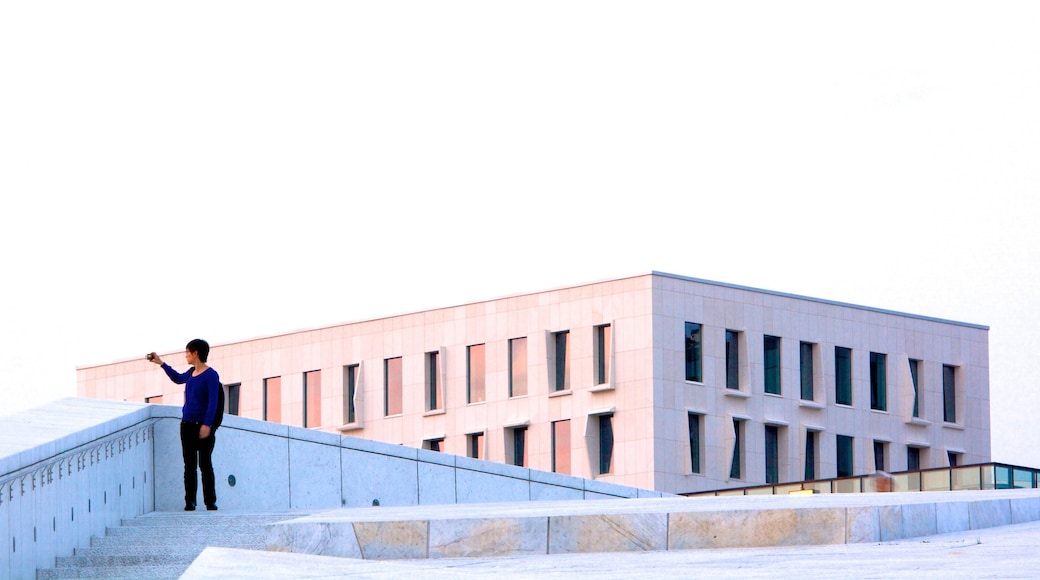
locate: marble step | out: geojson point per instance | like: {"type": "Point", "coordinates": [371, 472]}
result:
{"type": "Point", "coordinates": [170, 571]}
{"type": "Point", "coordinates": [170, 557]}
{"type": "Point", "coordinates": [245, 539]}
{"type": "Point", "coordinates": [205, 518]}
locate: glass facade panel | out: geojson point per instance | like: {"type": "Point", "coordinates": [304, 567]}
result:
{"type": "Point", "coordinates": [805, 369]}
{"type": "Point", "coordinates": [842, 375]}
{"type": "Point", "coordinates": [273, 399]}
{"type": "Point", "coordinates": [772, 455]}
{"type": "Point", "coordinates": [602, 354]}
{"type": "Point", "coordinates": [393, 387]}
{"type": "Point", "coordinates": [606, 444]}
{"type": "Point", "coordinates": [694, 365]}
{"type": "Point", "coordinates": [561, 446]}
{"type": "Point", "coordinates": [561, 381]}
{"type": "Point", "coordinates": [949, 394]}
{"type": "Point", "coordinates": [771, 352]}
{"type": "Point", "coordinates": [475, 376]}
{"type": "Point", "coordinates": [732, 360]}
{"type": "Point", "coordinates": [878, 382]}
{"type": "Point", "coordinates": [518, 367]}
{"type": "Point", "coordinates": [312, 399]}
{"type": "Point", "coordinates": [844, 459]}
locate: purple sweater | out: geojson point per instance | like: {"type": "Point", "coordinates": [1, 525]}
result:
{"type": "Point", "coordinates": [200, 394]}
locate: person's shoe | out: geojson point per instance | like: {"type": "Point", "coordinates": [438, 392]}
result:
{"type": "Point", "coordinates": [189, 507]}
{"type": "Point", "coordinates": [212, 507]}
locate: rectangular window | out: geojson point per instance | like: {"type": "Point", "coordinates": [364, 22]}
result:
{"type": "Point", "coordinates": [606, 444]}
{"type": "Point", "coordinates": [915, 367]}
{"type": "Point", "coordinates": [434, 388]}
{"type": "Point", "coordinates": [312, 399]}
{"type": "Point", "coordinates": [810, 455]}
{"type": "Point", "coordinates": [878, 382]}
{"type": "Point", "coordinates": [393, 387]}
{"type": "Point", "coordinates": [434, 444]}
{"type": "Point", "coordinates": [842, 375]}
{"type": "Point", "coordinates": [231, 399]}
{"type": "Point", "coordinates": [519, 447]}
{"type": "Point", "coordinates": [561, 446]}
{"type": "Point", "coordinates": [771, 352]}
{"type": "Point", "coordinates": [844, 456]}
{"type": "Point", "coordinates": [475, 376]}
{"type": "Point", "coordinates": [953, 458]}
{"type": "Point", "coordinates": [732, 359]}
{"type": "Point", "coordinates": [879, 456]}
{"type": "Point", "coordinates": [949, 394]}
{"type": "Point", "coordinates": [695, 442]}
{"type": "Point", "coordinates": [154, 400]}
{"type": "Point", "coordinates": [694, 368]}
{"type": "Point", "coordinates": [350, 383]}
{"type": "Point", "coordinates": [561, 380]}
{"type": "Point", "coordinates": [772, 454]}
{"type": "Point", "coordinates": [601, 354]}
{"type": "Point", "coordinates": [913, 458]}
{"type": "Point", "coordinates": [475, 445]}
{"type": "Point", "coordinates": [737, 460]}
{"type": "Point", "coordinates": [273, 399]}
{"type": "Point", "coordinates": [518, 367]}
{"type": "Point", "coordinates": [805, 369]}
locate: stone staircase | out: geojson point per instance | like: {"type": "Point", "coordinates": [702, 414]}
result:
{"type": "Point", "coordinates": [162, 545]}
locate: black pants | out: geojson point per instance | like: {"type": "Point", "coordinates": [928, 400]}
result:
{"type": "Point", "coordinates": [198, 454]}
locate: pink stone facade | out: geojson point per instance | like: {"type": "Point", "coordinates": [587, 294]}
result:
{"type": "Point", "coordinates": [625, 358]}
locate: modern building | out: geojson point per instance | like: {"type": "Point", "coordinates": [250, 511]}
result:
{"type": "Point", "coordinates": [654, 381]}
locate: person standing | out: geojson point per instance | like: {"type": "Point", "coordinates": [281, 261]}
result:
{"type": "Point", "coordinates": [201, 384]}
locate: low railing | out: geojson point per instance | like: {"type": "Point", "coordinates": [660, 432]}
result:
{"type": "Point", "coordinates": [967, 477]}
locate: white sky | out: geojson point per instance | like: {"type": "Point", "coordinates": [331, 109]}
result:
{"type": "Point", "coordinates": [235, 169]}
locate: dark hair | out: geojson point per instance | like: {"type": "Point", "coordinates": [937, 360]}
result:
{"type": "Point", "coordinates": [199, 347]}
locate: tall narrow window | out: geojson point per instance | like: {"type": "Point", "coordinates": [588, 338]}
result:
{"type": "Point", "coordinates": [561, 446]}
{"type": "Point", "coordinates": [878, 382]}
{"type": "Point", "coordinates": [879, 456]}
{"type": "Point", "coordinates": [273, 399]}
{"type": "Point", "coordinates": [953, 458]}
{"type": "Point", "coordinates": [475, 445]}
{"type": "Point", "coordinates": [949, 394]}
{"type": "Point", "coordinates": [915, 367]}
{"type": "Point", "coordinates": [606, 444]}
{"type": "Point", "coordinates": [518, 367]}
{"type": "Point", "coordinates": [434, 388]}
{"type": "Point", "coordinates": [434, 444]}
{"type": "Point", "coordinates": [810, 455]}
{"type": "Point", "coordinates": [312, 399]}
{"type": "Point", "coordinates": [842, 375]}
{"type": "Point", "coordinates": [913, 458]}
{"type": "Point", "coordinates": [695, 442]}
{"type": "Point", "coordinates": [231, 401]}
{"type": "Point", "coordinates": [805, 370]}
{"type": "Point", "coordinates": [844, 450]}
{"type": "Point", "coordinates": [519, 457]}
{"type": "Point", "coordinates": [736, 461]}
{"type": "Point", "coordinates": [771, 351]}
{"type": "Point", "coordinates": [475, 375]}
{"type": "Point", "coordinates": [393, 387]}
{"type": "Point", "coordinates": [694, 368]}
{"type": "Point", "coordinates": [561, 378]}
{"type": "Point", "coordinates": [601, 353]}
{"type": "Point", "coordinates": [772, 454]}
{"type": "Point", "coordinates": [732, 359]}
{"type": "Point", "coordinates": [350, 377]}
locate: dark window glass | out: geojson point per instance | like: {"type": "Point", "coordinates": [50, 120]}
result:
{"type": "Point", "coordinates": [435, 445]}
{"type": "Point", "coordinates": [695, 442]}
{"type": "Point", "coordinates": [805, 367]}
{"type": "Point", "coordinates": [602, 354]}
{"type": "Point", "coordinates": [844, 456]}
{"type": "Point", "coordinates": [732, 360]}
{"type": "Point", "coordinates": [771, 348]}
{"type": "Point", "coordinates": [520, 446]}
{"type": "Point", "coordinates": [810, 455]}
{"type": "Point", "coordinates": [913, 458]}
{"type": "Point", "coordinates": [476, 446]}
{"type": "Point", "coordinates": [842, 375]}
{"type": "Point", "coordinates": [434, 396]}
{"type": "Point", "coordinates": [518, 367]}
{"type": "Point", "coordinates": [772, 454]}
{"type": "Point", "coordinates": [694, 370]}
{"type": "Point", "coordinates": [475, 376]}
{"type": "Point", "coordinates": [879, 456]}
{"type": "Point", "coordinates": [949, 394]}
{"type": "Point", "coordinates": [606, 444]}
{"type": "Point", "coordinates": [562, 380]}
{"type": "Point", "coordinates": [734, 464]}
{"type": "Point", "coordinates": [878, 382]}
{"type": "Point", "coordinates": [232, 398]}
{"type": "Point", "coordinates": [914, 368]}
{"type": "Point", "coordinates": [952, 457]}
{"type": "Point", "coordinates": [350, 380]}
